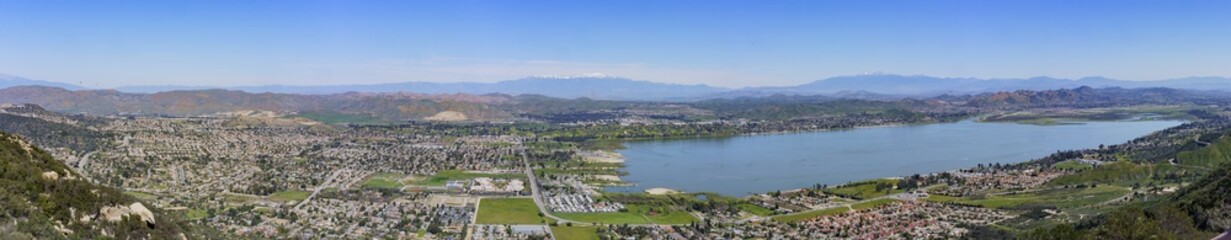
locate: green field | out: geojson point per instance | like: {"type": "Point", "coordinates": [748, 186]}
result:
{"type": "Point", "coordinates": [1071, 165]}
{"type": "Point", "coordinates": [575, 233]}
{"type": "Point", "coordinates": [636, 214]}
{"type": "Point", "coordinates": [508, 211]}
{"type": "Point", "coordinates": [873, 203]}
{"type": "Point", "coordinates": [331, 117]}
{"type": "Point", "coordinates": [236, 198]}
{"type": "Point", "coordinates": [754, 209]}
{"type": "Point", "coordinates": [866, 189]}
{"type": "Point", "coordinates": [1062, 198]}
{"type": "Point", "coordinates": [287, 196]}
{"type": "Point", "coordinates": [442, 177]}
{"type": "Point", "coordinates": [384, 180]}
{"type": "Point", "coordinates": [799, 216]}
{"type": "Point", "coordinates": [1122, 172]}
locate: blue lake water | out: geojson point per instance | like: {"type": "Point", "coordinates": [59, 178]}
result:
{"type": "Point", "coordinates": [738, 166]}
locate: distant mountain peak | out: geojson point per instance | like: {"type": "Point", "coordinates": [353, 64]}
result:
{"type": "Point", "coordinates": [7, 80]}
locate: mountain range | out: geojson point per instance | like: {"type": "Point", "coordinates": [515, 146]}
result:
{"type": "Point", "coordinates": [13, 81]}
{"type": "Point", "coordinates": [868, 86]}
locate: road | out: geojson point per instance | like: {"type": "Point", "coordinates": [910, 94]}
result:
{"type": "Point", "coordinates": [81, 165]}
{"type": "Point", "coordinates": [535, 193]}
{"type": "Point", "coordinates": [319, 188]}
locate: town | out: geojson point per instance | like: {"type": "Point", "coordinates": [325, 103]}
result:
{"type": "Point", "coordinates": [264, 175]}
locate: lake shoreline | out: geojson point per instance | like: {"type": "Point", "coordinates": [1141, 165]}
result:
{"type": "Point", "coordinates": [634, 164]}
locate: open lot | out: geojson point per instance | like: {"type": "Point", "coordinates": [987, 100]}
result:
{"type": "Point", "coordinates": [575, 233]}
{"type": "Point", "coordinates": [383, 180]}
{"type": "Point", "coordinates": [866, 189]}
{"type": "Point", "coordinates": [508, 211]}
{"type": "Point", "coordinates": [286, 196]}
{"type": "Point", "coordinates": [452, 175]}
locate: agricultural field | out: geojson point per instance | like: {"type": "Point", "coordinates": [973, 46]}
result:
{"type": "Point", "coordinates": [508, 211]}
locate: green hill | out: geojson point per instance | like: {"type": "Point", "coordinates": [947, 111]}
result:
{"type": "Point", "coordinates": [1215, 153]}
{"type": "Point", "coordinates": [1199, 210]}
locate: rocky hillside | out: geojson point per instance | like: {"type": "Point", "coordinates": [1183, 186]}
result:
{"type": "Point", "coordinates": [41, 198]}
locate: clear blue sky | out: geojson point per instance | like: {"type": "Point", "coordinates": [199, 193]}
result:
{"type": "Point", "coordinates": [228, 43]}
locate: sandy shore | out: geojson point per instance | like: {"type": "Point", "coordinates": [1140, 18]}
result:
{"type": "Point", "coordinates": [661, 191]}
{"type": "Point", "coordinates": [602, 157]}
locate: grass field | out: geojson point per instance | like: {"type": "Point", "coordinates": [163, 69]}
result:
{"type": "Point", "coordinates": [636, 214]}
{"type": "Point", "coordinates": [383, 180]}
{"type": "Point", "coordinates": [872, 204]}
{"type": "Point", "coordinates": [575, 233]}
{"type": "Point", "coordinates": [442, 177]}
{"type": "Point", "coordinates": [1114, 172]}
{"type": "Point", "coordinates": [236, 198]}
{"type": "Point", "coordinates": [754, 209]}
{"type": "Point", "coordinates": [1062, 198]}
{"type": "Point", "coordinates": [331, 117]}
{"type": "Point", "coordinates": [1072, 165]}
{"type": "Point", "coordinates": [866, 189]}
{"type": "Point", "coordinates": [508, 211]}
{"type": "Point", "coordinates": [287, 196]}
{"type": "Point", "coordinates": [794, 217]}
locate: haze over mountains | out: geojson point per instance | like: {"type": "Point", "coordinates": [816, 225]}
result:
{"type": "Point", "coordinates": [617, 88]}
{"type": "Point", "coordinates": [12, 81]}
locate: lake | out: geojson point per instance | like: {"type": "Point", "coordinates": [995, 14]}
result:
{"type": "Point", "coordinates": [741, 165]}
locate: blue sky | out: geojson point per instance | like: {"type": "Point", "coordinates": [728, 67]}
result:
{"type": "Point", "coordinates": [724, 43]}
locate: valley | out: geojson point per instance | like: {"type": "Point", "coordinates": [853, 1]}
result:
{"type": "Point", "coordinates": [275, 174]}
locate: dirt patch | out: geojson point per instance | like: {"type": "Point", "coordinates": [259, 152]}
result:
{"type": "Point", "coordinates": [448, 116]}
